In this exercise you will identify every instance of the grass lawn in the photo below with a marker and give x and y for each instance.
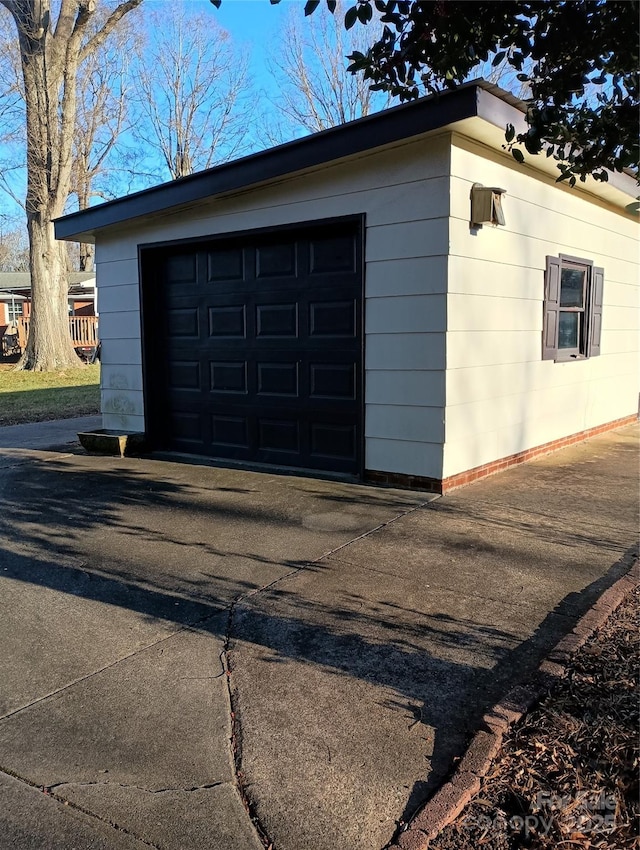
(38, 396)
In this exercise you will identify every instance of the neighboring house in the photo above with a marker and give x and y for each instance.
(15, 304)
(328, 304)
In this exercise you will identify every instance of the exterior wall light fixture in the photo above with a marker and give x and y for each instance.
(486, 205)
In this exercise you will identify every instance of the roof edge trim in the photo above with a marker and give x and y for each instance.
(374, 131)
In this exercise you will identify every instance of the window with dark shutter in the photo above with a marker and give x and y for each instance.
(595, 318)
(551, 308)
(572, 318)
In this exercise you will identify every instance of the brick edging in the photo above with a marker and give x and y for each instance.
(460, 479)
(451, 798)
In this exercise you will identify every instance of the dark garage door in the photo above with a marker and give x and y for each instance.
(254, 347)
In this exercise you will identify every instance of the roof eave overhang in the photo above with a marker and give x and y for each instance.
(619, 190)
(476, 100)
(355, 137)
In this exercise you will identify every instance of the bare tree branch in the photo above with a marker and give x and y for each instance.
(309, 63)
(118, 13)
(191, 82)
(102, 113)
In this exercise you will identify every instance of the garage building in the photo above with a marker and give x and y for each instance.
(394, 299)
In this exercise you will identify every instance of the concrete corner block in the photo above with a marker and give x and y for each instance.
(567, 647)
(559, 655)
(467, 785)
(106, 441)
(516, 703)
(495, 721)
(445, 806)
(550, 672)
(412, 839)
(591, 622)
(482, 750)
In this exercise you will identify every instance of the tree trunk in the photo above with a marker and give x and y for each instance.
(50, 55)
(49, 346)
(50, 114)
(86, 257)
(86, 248)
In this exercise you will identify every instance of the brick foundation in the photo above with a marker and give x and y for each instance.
(445, 485)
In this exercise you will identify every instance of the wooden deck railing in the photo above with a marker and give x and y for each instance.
(83, 331)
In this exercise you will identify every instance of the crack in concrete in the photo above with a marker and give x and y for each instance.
(236, 734)
(51, 789)
(93, 673)
(49, 793)
(225, 661)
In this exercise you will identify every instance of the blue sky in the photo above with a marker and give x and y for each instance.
(251, 23)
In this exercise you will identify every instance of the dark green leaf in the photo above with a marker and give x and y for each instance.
(365, 13)
(517, 155)
(350, 17)
(216, 3)
(310, 6)
(511, 132)
(331, 5)
(426, 47)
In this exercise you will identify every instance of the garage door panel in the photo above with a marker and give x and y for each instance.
(332, 318)
(276, 260)
(186, 427)
(280, 435)
(181, 268)
(279, 379)
(183, 322)
(227, 430)
(226, 265)
(279, 320)
(332, 254)
(228, 376)
(329, 440)
(184, 375)
(261, 349)
(332, 381)
(228, 321)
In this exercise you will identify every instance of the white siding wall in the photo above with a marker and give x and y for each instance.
(501, 397)
(405, 197)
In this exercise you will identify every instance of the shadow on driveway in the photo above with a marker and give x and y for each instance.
(182, 545)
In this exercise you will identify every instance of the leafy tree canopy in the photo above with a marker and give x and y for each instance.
(577, 62)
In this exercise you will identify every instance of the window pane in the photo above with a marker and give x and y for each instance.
(568, 330)
(572, 288)
(14, 311)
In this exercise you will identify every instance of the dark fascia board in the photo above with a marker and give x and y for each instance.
(477, 98)
(374, 131)
(501, 108)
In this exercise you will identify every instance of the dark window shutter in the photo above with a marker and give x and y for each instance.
(595, 313)
(551, 309)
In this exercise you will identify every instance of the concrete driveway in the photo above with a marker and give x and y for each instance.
(208, 658)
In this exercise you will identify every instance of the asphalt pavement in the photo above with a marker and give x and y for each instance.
(197, 657)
